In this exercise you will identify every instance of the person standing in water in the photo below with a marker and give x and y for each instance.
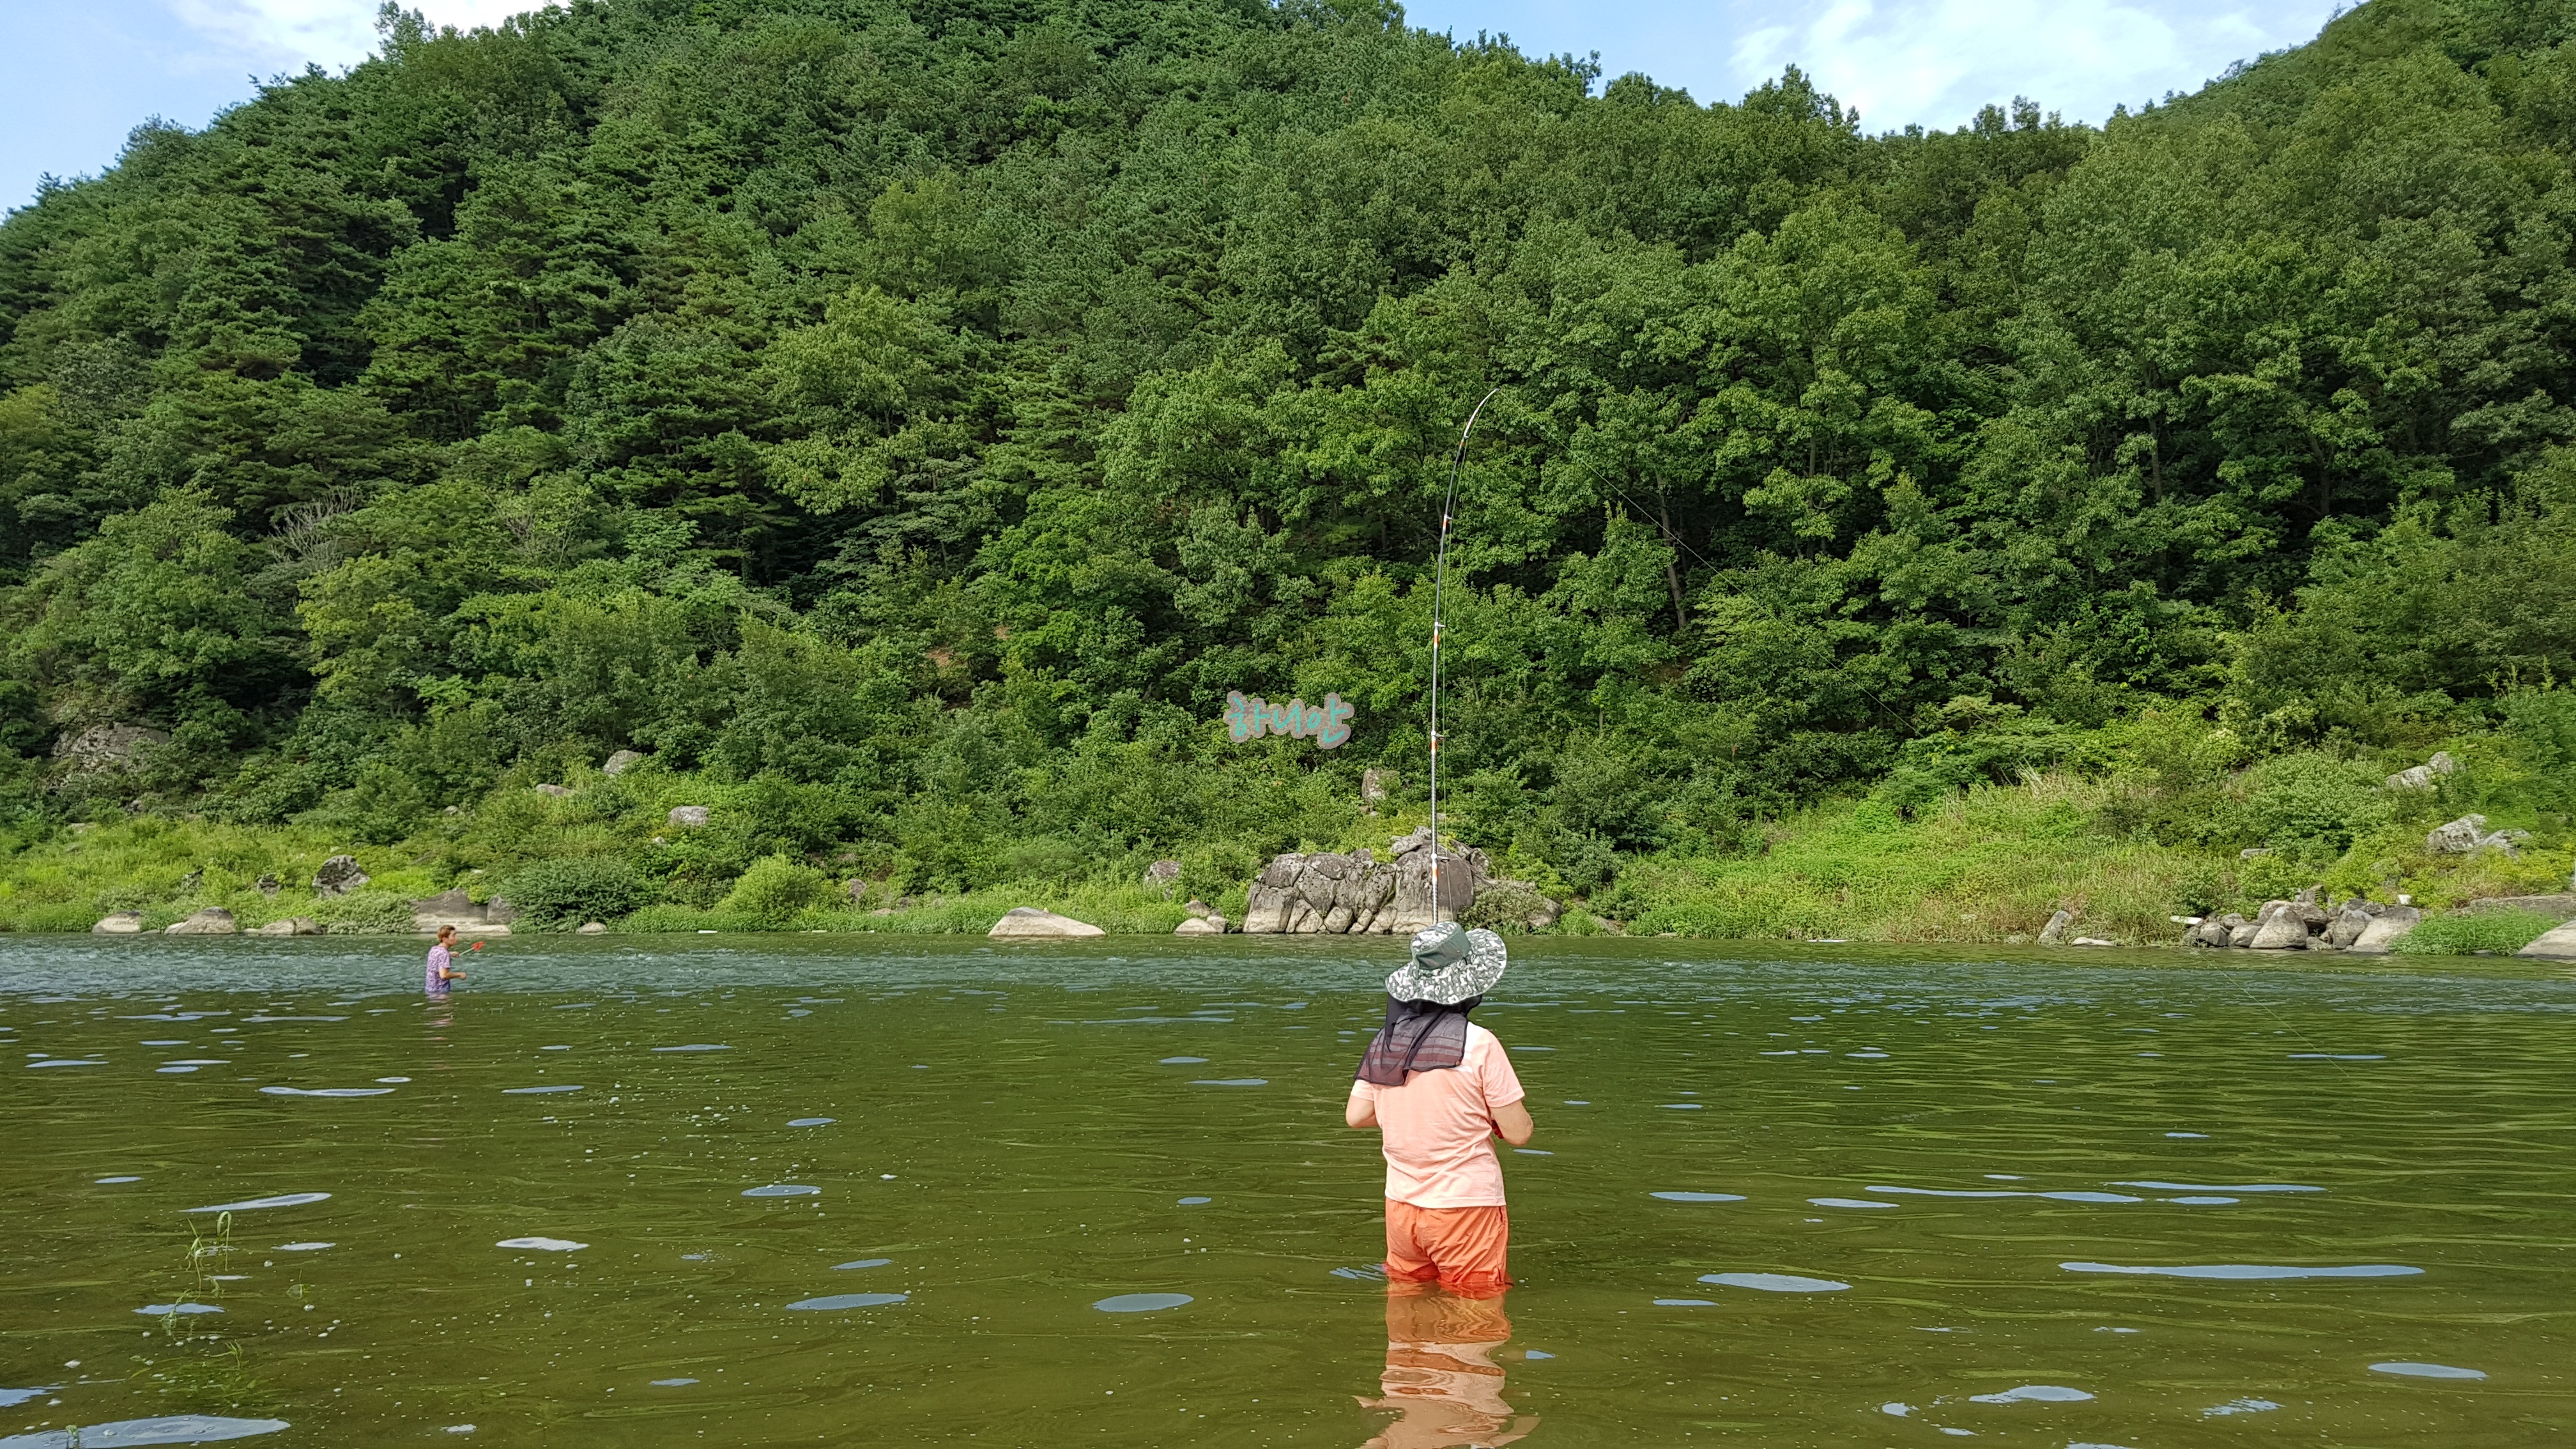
(1439, 1089)
(440, 970)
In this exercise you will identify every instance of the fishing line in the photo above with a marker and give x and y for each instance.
(1439, 582)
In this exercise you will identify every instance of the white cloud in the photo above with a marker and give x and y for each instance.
(287, 34)
(1937, 61)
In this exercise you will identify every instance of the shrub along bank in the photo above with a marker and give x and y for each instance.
(1985, 830)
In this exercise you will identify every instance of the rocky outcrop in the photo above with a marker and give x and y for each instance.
(619, 763)
(339, 875)
(1162, 875)
(1030, 921)
(2424, 776)
(2469, 833)
(107, 746)
(2055, 930)
(119, 923)
(688, 817)
(290, 926)
(1353, 894)
(212, 921)
(1512, 905)
(2562, 906)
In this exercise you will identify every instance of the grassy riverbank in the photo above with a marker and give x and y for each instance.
(2148, 820)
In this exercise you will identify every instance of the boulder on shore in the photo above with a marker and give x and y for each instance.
(119, 923)
(1201, 926)
(592, 928)
(2384, 929)
(454, 908)
(212, 921)
(2281, 928)
(1030, 921)
(288, 926)
(2555, 944)
(2055, 930)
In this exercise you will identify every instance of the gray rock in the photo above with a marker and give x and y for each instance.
(119, 923)
(288, 926)
(1163, 875)
(1199, 908)
(2562, 906)
(592, 928)
(212, 921)
(2424, 776)
(2254, 852)
(1377, 787)
(557, 792)
(688, 817)
(499, 911)
(2556, 944)
(2280, 929)
(448, 908)
(2213, 934)
(617, 764)
(1030, 921)
(2384, 929)
(2457, 838)
(2348, 926)
(269, 886)
(107, 746)
(2091, 941)
(1355, 894)
(2055, 930)
(339, 875)
(1198, 926)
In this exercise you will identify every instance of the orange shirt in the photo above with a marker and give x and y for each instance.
(1438, 1128)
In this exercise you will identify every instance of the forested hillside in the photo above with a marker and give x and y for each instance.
(905, 423)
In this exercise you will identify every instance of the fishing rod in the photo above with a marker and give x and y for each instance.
(1439, 582)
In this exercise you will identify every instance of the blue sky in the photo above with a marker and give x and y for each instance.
(82, 75)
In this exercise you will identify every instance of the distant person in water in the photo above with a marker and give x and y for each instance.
(1439, 1089)
(441, 971)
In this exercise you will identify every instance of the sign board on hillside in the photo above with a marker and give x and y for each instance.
(1327, 724)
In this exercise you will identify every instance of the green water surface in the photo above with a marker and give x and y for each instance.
(997, 1139)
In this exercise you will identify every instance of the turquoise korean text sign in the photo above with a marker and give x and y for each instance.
(1327, 724)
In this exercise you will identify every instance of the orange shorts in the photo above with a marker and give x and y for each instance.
(1461, 1248)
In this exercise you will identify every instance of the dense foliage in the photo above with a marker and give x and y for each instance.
(911, 419)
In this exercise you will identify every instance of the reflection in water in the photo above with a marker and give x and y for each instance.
(1441, 1379)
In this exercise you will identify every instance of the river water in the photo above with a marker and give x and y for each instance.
(791, 1190)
